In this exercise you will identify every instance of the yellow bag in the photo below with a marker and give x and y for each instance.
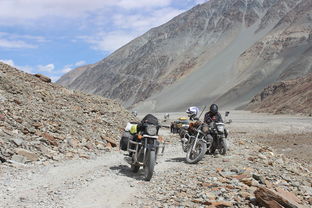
(134, 129)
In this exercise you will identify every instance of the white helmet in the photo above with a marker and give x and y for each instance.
(192, 111)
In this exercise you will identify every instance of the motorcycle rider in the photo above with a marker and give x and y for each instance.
(192, 113)
(213, 115)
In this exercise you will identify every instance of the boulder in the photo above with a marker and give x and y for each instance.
(43, 78)
(18, 141)
(111, 141)
(277, 199)
(27, 154)
(19, 158)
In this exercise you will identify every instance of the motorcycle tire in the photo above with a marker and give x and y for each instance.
(184, 147)
(212, 149)
(223, 148)
(149, 165)
(135, 168)
(202, 150)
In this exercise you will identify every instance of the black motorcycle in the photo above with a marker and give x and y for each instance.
(218, 132)
(196, 142)
(144, 146)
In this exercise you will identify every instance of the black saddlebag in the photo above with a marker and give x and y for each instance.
(124, 140)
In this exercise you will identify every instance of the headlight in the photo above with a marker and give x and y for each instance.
(220, 128)
(151, 130)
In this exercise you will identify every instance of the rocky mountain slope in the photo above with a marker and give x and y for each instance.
(72, 75)
(220, 51)
(41, 121)
(293, 96)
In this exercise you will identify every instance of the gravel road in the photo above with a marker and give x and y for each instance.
(108, 182)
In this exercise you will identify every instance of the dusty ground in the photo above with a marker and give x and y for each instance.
(108, 182)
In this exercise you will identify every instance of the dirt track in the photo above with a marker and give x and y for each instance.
(108, 182)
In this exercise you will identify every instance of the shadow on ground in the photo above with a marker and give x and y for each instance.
(126, 171)
(176, 159)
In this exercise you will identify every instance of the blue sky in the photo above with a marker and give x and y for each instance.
(54, 36)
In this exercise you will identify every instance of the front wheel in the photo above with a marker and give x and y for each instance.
(194, 156)
(223, 147)
(149, 165)
(135, 168)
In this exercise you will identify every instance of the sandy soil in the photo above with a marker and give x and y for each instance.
(108, 182)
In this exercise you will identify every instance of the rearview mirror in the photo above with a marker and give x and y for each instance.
(227, 113)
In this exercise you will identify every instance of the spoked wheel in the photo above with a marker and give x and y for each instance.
(194, 156)
(184, 146)
(149, 165)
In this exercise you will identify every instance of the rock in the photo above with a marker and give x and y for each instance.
(2, 159)
(307, 190)
(18, 141)
(111, 141)
(27, 154)
(280, 198)
(43, 78)
(261, 179)
(2, 99)
(37, 125)
(240, 177)
(44, 115)
(19, 158)
(73, 142)
(51, 139)
(245, 195)
(218, 204)
(108, 145)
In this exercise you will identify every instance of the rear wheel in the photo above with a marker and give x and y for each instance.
(194, 156)
(149, 165)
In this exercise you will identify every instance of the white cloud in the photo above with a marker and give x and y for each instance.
(46, 68)
(21, 11)
(67, 68)
(143, 22)
(109, 41)
(200, 1)
(80, 63)
(133, 4)
(11, 40)
(55, 78)
(134, 26)
(15, 44)
(10, 62)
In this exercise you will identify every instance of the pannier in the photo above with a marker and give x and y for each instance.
(124, 140)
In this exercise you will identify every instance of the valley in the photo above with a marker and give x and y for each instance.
(254, 161)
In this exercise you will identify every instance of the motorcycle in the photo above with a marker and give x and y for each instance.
(219, 134)
(196, 142)
(202, 138)
(143, 148)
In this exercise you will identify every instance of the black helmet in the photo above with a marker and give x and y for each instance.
(214, 108)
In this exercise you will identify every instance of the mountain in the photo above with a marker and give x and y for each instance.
(42, 121)
(223, 51)
(291, 96)
(72, 75)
